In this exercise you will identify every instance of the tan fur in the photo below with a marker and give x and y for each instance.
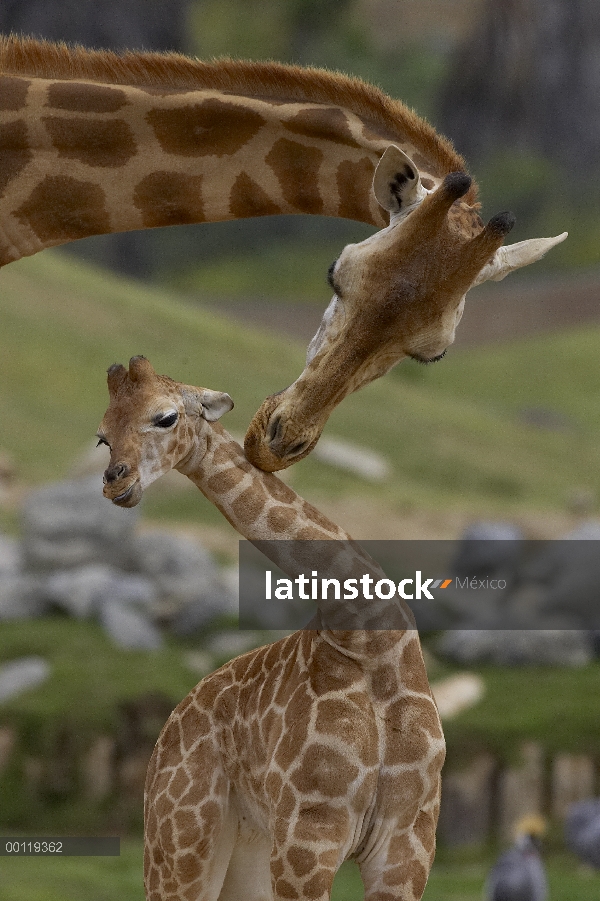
(290, 759)
(399, 294)
(40, 59)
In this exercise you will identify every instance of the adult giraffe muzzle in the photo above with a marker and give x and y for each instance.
(399, 293)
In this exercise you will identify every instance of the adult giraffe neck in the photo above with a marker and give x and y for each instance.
(92, 143)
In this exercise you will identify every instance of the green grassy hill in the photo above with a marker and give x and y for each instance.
(451, 431)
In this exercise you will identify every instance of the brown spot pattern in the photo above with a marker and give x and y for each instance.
(354, 181)
(384, 683)
(178, 784)
(319, 885)
(424, 829)
(287, 750)
(321, 822)
(296, 167)
(107, 144)
(188, 868)
(85, 98)
(328, 124)
(273, 785)
(193, 725)
(279, 491)
(250, 503)
(277, 868)
(14, 152)
(333, 673)
(248, 200)
(279, 518)
(285, 889)
(13, 93)
(302, 860)
(315, 516)
(375, 132)
(402, 793)
(187, 827)
(212, 128)
(414, 675)
(324, 770)
(224, 481)
(408, 740)
(169, 198)
(62, 209)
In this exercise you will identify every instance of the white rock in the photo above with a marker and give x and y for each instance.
(71, 524)
(457, 693)
(82, 592)
(129, 629)
(22, 675)
(362, 461)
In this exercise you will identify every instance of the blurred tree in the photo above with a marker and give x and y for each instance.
(528, 79)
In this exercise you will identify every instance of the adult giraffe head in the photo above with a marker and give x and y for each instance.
(399, 293)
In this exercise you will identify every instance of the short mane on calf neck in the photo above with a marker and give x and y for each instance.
(290, 759)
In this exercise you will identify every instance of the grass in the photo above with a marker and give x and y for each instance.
(451, 432)
(104, 879)
(556, 707)
(89, 678)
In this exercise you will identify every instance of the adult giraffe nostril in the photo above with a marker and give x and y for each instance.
(274, 429)
(297, 448)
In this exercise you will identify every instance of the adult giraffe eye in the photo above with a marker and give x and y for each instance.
(165, 422)
(102, 440)
(331, 279)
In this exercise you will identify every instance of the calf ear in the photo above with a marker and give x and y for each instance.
(214, 404)
(211, 405)
(397, 183)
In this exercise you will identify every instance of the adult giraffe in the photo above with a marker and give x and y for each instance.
(92, 142)
(321, 747)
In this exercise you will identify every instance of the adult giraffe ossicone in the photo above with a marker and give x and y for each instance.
(296, 756)
(92, 142)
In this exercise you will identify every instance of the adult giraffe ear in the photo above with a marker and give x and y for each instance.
(211, 405)
(397, 183)
(514, 256)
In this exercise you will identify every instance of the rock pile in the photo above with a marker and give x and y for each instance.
(85, 557)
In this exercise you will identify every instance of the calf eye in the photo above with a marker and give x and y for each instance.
(164, 422)
(102, 440)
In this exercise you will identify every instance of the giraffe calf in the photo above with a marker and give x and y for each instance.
(290, 759)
